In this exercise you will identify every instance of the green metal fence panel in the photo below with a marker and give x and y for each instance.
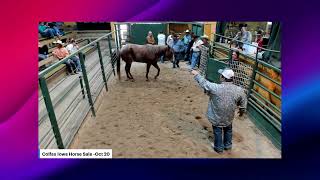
(265, 126)
(51, 113)
(139, 32)
(212, 69)
(197, 29)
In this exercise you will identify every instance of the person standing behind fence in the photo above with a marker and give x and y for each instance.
(195, 52)
(150, 38)
(223, 101)
(60, 53)
(161, 41)
(259, 40)
(73, 47)
(246, 39)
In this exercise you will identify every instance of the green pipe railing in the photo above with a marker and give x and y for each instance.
(84, 82)
(261, 106)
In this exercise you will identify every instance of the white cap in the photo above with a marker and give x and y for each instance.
(187, 30)
(227, 73)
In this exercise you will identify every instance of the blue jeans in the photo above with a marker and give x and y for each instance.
(42, 57)
(161, 58)
(48, 33)
(76, 61)
(222, 138)
(194, 59)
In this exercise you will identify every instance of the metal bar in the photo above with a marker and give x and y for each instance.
(275, 51)
(267, 77)
(44, 72)
(255, 67)
(86, 83)
(269, 66)
(110, 50)
(267, 101)
(119, 34)
(102, 66)
(264, 105)
(82, 89)
(260, 85)
(116, 36)
(274, 122)
(51, 113)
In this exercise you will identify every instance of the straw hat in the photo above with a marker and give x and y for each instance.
(205, 37)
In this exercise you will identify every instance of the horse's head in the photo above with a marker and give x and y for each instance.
(168, 55)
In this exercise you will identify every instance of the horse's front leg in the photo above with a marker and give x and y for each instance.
(148, 68)
(157, 67)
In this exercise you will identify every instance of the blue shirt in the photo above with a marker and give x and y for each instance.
(178, 46)
(187, 39)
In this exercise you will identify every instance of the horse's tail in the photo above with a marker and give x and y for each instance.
(118, 65)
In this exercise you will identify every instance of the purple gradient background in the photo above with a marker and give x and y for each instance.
(18, 99)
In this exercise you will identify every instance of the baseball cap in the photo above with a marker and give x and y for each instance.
(227, 73)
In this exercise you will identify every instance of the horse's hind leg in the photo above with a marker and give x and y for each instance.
(148, 67)
(156, 66)
(127, 70)
(131, 77)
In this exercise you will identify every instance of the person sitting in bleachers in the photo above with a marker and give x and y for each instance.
(73, 47)
(45, 30)
(57, 28)
(42, 52)
(60, 53)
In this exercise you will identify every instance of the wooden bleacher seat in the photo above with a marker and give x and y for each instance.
(49, 41)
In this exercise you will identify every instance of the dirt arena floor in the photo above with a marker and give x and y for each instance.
(163, 118)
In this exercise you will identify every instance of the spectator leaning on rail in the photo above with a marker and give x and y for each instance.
(178, 49)
(150, 38)
(73, 47)
(60, 53)
(195, 52)
(259, 39)
(161, 41)
(223, 101)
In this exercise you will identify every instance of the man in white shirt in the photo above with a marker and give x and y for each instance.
(170, 39)
(73, 47)
(195, 52)
(161, 41)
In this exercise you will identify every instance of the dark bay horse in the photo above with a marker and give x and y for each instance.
(145, 54)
